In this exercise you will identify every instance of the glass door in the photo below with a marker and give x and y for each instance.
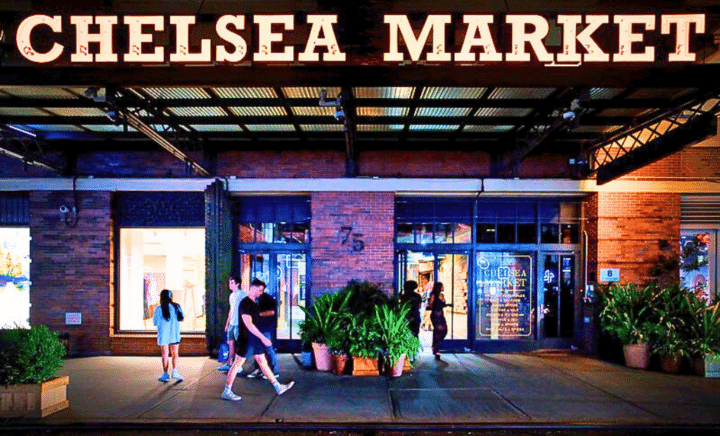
(451, 269)
(557, 301)
(286, 277)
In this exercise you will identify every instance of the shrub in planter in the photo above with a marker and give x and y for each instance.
(705, 340)
(364, 344)
(29, 355)
(327, 314)
(29, 359)
(627, 313)
(397, 341)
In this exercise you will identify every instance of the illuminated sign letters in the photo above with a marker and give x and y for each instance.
(39, 37)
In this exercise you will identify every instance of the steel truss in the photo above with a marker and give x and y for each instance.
(654, 139)
(130, 107)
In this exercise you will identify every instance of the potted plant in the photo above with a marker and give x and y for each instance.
(705, 343)
(337, 346)
(29, 359)
(627, 313)
(674, 309)
(364, 345)
(327, 313)
(397, 341)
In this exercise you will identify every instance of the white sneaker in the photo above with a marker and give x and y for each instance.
(229, 395)
(255, 374)
(276, 376)
(176, 375)
(164, 377)
(286, 387)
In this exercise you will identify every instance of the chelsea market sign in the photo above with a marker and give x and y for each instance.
(40, 39)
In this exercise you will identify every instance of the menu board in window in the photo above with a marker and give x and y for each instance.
(504, 287)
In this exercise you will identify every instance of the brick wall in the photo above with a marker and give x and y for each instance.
(71, 268)
(146, 345)
(274, 164)
(625, 231)
(334, 264)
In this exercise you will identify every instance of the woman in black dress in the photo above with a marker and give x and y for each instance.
(437, 317)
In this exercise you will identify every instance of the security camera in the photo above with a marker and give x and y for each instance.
(64, 209)
(340, 115)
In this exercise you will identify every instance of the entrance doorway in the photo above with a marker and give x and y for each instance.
(451, 269)
(557, 300)
(285, 274)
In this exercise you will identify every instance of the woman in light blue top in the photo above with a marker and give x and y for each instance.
(167, 317)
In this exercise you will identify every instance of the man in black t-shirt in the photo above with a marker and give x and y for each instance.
(267, 324)
(256, 344)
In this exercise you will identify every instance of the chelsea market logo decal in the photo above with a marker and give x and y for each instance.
(232, 39)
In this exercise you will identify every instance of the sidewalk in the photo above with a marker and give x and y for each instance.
(460, 390)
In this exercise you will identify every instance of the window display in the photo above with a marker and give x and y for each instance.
(161, 258)
(14, 277)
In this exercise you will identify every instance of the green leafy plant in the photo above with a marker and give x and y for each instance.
(705, 331)
(364, 337)
(673, 312)
(327, 315)
(29, 355)
(396, 337)
(364, 297)
(627, 312)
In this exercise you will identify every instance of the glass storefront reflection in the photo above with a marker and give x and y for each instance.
(504, 283)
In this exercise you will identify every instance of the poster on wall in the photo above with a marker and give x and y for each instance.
(14, 277)
(504, 285)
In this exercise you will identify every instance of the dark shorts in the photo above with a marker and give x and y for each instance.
(254, 346)
(241, 346)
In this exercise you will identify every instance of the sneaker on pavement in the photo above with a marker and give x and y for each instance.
(229, 395)
(276, 376)
(286, 387)
(164, 377)
(224, 367)
(255, 374)
(176, 375)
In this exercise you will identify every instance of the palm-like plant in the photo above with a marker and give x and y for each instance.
(396, 337)
(326, 315)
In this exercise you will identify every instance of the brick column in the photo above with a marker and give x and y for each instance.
(626, 228)
(369, 214)
(71, 267)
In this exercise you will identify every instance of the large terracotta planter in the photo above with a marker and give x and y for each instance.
(365, 366)
(637, 356)
(671, 363)
(34, 400)
(397, 370)
(338, 363)
(707, 366)
(322, 356)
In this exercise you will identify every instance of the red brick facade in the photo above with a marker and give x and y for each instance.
(71, 267)
(371, 215)
(624, 230)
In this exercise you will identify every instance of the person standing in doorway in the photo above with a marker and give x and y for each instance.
(437, 317)
(167, 317)
(267, 324)
(256, 345)
(414, 301)
(232, 325)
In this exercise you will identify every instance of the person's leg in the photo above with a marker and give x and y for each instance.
(228, 394)
(175, 352)
(265, 368)
(271, 356)
(164, 350)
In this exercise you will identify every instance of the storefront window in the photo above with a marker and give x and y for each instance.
(404, 233)
(527, 233)
(153, 259)
(697, 247)
(14, 277)
(504, 283)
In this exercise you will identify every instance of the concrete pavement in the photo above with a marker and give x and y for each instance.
(529, 389)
